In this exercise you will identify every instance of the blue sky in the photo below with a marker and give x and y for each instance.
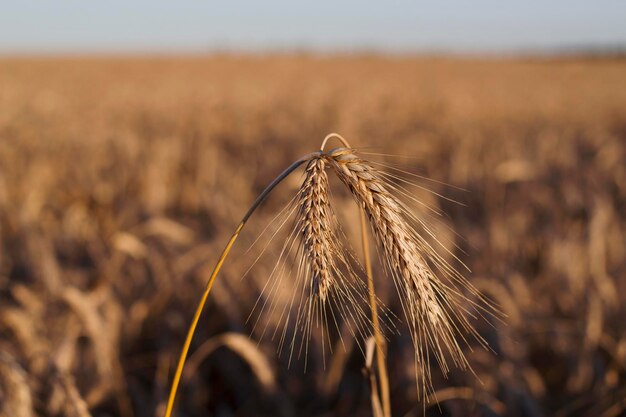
(197, 26)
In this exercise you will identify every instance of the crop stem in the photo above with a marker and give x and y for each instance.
(380, 347)
(194, 322)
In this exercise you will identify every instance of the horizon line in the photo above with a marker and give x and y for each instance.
(590, 49)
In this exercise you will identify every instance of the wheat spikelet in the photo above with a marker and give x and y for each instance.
(314, 223)
(331, 287)
(431, 306)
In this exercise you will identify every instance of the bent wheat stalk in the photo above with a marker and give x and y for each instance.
(432, 306)
(216, 270)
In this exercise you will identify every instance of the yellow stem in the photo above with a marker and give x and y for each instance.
(380, 348)
(194, 323)
(196, 317)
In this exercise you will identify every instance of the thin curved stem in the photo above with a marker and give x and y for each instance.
(378, 338)
(194, 322)
(334, 135)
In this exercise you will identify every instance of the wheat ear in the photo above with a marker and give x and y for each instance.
(314, 223)
(384, 400)
(330, 284)
(430, 305)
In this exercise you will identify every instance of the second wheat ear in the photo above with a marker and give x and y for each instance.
(432, 305)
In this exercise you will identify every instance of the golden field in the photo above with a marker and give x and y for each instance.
(121, 179)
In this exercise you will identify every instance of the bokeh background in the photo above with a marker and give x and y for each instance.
(134, 136)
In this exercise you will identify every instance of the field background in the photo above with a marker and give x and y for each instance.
(121, 179)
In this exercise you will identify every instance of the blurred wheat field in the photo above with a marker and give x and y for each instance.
(121, 178)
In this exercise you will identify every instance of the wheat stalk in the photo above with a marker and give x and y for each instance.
(207, 290)
(432, 306)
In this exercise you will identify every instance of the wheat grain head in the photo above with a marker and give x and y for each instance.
(433, 306)
(327, 270)
(315, 219)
